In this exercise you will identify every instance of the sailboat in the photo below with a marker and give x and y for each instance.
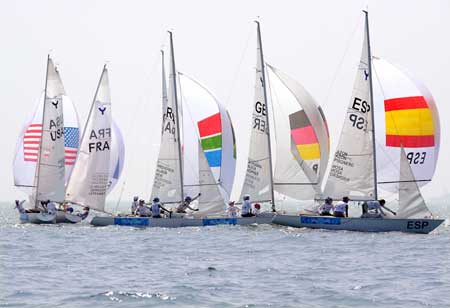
(47, 149)
(101, 155)
(288, 157)
(411, 136)
(197, 156)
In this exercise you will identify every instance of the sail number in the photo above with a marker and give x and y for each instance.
(260, 123)
(56, 128)
(416, 158)
(361, 106)
(170, 125)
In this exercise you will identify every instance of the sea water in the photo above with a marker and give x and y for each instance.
(219, 266)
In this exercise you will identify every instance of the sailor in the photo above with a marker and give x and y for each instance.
(19, 206)
(85, 213)
(51, 207)
(67, 207)
(256, 209)
(186, 204)
(157, 207)
(341, 208)
(375, 209)
(134, 205)
(246, 210)
(142, 210)
(325, 209)
(232, 210)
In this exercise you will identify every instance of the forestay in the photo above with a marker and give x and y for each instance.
(352, 169)
(405, 114)
(90, 179)
(411, 202)
(50, 171)
(301, 138)
(206, 123)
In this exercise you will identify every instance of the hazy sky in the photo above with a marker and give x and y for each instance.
(316, 42)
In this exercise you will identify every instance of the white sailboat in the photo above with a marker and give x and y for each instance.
(289, 155)
(90, 180)
(44, 152)
(355, 172)
(197, 155)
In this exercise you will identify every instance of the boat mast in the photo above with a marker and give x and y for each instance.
(177, 126)
(263, 68)
(36, 201)
(372, 113)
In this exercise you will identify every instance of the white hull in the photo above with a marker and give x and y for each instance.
(359, 224)
(37, 218)
(63, 217)
(179, 222)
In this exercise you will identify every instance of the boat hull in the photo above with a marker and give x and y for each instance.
(37, 218)
(359, 224)
(178, 222)
(63, 217)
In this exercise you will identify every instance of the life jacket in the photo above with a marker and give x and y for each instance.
(340, 207)
(246, 207)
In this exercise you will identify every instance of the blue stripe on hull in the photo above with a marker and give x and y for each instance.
(320, 220)
(132, 221)
(219, 221)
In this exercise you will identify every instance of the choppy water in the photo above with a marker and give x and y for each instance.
(223, 266)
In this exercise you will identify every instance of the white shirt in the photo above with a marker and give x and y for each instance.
(326, 208)
(256, 211)
(156, 209)
(374, 206)
(134, 207)
(142, 210)
(246, 207)
(232, 211)
(340, 207)
(51, 208)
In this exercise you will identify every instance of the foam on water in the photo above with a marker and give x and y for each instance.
(220, 266)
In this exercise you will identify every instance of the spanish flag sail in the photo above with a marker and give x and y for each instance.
(406, 116)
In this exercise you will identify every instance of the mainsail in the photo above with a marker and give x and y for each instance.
(258, 182)
(167, 184)
(27, 149)
(90, 179)
(352, 171)
(50, 172)
(411, 202)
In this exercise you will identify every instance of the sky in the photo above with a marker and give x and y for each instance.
(318, 43)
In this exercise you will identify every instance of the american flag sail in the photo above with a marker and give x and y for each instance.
(32, 137)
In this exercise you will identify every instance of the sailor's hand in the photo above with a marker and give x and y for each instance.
(394, 213)
(196, 210)
(199, 194)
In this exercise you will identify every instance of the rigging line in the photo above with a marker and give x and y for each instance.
(341, 62)
(138, 111)
(238, 70)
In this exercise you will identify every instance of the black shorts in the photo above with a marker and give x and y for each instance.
(247, 215)
(338, 214)
(157, 216)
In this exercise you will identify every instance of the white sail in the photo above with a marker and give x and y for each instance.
(257, 182)
(89, 182)
(117, 159)
(205, 122)
(50, 172)
(301, 137)
(210, 201)
(27, 148)
(411, 202)
(167, 181)
(406, 115)
(352, 169)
